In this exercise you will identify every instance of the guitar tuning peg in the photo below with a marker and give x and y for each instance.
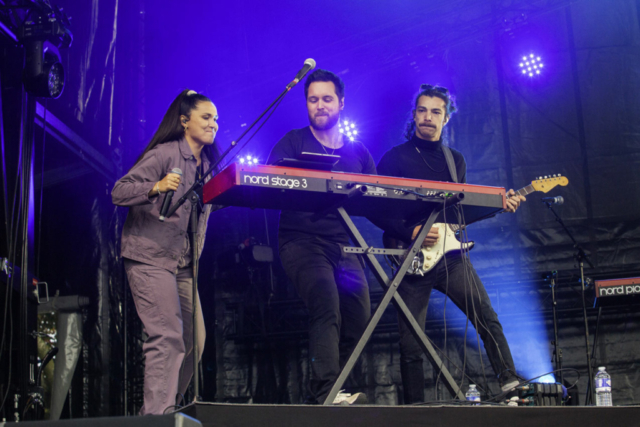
(554, 175)
(545, 177)
(559, 175)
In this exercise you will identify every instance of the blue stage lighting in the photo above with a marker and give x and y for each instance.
(348, 128)
(547, 379)
(531, 65)
(248, 160)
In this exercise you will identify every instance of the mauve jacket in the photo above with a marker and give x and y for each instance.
(144, 237)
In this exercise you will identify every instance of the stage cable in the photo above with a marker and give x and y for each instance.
(11, 257)
(5, 190)
(266, 230)
(39, 239)
(465, 282)
(484, 325)
(470, 284)
(480, 322)
(452, 363)
(446, 289)
(530, 380)
(465, 259)
(8, 311)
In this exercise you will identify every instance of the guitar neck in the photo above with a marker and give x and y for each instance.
(540, 184)
(525, 191)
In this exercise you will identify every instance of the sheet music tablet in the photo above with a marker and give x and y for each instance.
(308, 160)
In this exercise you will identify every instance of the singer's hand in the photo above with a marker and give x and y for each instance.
(432, 237)
(169, 182)
(513, 201)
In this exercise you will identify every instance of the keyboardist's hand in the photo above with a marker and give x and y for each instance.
(432, 237)
(513, 201)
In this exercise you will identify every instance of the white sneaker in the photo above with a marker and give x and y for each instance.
(510, 386)
(350, 399)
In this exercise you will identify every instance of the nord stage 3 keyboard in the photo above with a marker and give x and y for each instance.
(286, 188)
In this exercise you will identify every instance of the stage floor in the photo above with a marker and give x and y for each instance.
(243, 415)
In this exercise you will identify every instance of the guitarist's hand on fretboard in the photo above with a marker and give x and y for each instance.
(442, 238)
(513, 201)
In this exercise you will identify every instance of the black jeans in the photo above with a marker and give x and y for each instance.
(467, 292)
(333, 286)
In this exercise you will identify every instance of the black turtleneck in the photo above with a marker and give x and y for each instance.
(425, 162)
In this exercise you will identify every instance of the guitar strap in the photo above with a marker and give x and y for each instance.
(450, 163)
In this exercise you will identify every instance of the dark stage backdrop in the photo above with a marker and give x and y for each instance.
(579, 118)
(76, 227)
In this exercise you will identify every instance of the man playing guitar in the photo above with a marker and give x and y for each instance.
(423, 156)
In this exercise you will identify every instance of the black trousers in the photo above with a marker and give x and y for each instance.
(466, 291)
(333, 286)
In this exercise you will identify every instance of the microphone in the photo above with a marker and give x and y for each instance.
(309, 64)
(558, 200)
(166, 204)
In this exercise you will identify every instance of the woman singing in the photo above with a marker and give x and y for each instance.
(157, 255)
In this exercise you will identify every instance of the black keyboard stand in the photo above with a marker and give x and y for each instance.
(391, 295)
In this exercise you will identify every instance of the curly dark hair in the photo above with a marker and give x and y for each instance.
(321, 75)
(431, 91)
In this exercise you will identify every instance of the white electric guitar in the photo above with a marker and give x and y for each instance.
(449, 240)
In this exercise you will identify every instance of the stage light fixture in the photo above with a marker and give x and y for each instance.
(248, 160)
(44, 30)
(531, 65)
(348, 128)
(43, 75)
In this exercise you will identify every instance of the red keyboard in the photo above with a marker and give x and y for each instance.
(285, 188)
(624, 288)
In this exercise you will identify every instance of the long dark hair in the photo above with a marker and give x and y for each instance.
(170, 128)
(431, 91)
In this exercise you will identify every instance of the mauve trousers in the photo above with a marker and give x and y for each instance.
(163, 301)
(334, 288)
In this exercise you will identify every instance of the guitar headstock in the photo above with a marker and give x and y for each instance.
(547, 183)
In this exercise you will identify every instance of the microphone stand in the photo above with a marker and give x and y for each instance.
(557, 351)
(186, 195)
(193, 197)
(581, 257)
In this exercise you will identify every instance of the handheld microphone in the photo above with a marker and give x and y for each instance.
(167, 198)
(309, 65)
(558, 200)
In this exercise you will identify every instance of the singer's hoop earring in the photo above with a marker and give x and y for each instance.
(185, 128)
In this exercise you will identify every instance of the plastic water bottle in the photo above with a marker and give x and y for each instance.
(603, 388)
(473, 395)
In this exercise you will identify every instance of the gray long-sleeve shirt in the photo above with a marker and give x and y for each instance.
(144, 238)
